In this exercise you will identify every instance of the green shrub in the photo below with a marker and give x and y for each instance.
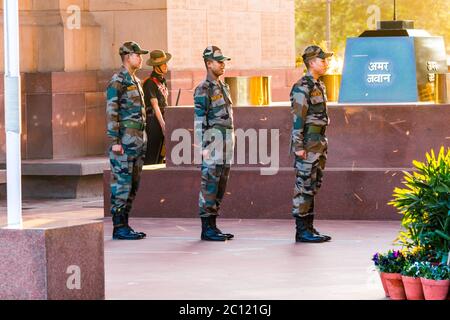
(425, 206)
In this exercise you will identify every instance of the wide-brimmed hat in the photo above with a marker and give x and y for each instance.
(158, 57)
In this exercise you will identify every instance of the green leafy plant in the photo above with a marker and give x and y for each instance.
(425, 206)
(390, 262)
(434, 272)
(411, 269)
(415, 254)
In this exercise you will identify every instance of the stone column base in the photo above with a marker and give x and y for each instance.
(52, 262)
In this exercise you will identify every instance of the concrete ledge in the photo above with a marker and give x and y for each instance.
(45, 262)
(62, 187)
(61, 179)
(347, 194)
(69, 167)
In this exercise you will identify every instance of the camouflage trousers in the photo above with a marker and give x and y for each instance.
(125, 177)
(213, 186)
(309, 176)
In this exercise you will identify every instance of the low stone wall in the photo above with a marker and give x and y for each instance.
(369, 148)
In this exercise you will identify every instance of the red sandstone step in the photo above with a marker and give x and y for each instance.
(346, 194)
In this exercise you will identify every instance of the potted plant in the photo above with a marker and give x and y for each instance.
(411, 280)
(424, 204)
(435, 280)
(379, 261)
(390, 266)
(425, 207)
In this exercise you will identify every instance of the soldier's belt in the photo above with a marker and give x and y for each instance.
(221, 129)
(132, 125)
(316, 129)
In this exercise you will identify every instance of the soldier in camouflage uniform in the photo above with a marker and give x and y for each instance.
(309, 143)
(126, 131)
(213, 118)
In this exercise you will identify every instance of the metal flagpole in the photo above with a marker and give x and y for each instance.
(395, 10)
(328, 35)
(12, 113)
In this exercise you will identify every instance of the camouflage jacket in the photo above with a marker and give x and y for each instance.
(310, 113)
(125, 101)
(213, 107)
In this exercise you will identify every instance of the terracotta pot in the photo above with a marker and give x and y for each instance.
(394, 285)
(383, 282)
(435, 289)
(413, 288)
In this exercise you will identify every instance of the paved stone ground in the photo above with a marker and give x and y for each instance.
(263, 262)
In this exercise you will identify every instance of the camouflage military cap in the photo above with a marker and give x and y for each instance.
(131, 47)
(214, 53)
(315, 52)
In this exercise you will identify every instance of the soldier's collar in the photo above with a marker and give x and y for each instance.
(213, 81)
(309, 75)
(125, 71)
(158, 76)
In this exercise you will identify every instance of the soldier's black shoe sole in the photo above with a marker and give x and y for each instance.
(326, 238)
(229, 236)
(210, 233)
(142, 234)
(128, 238)
(310, 241)
(217, 239)
(317, 233)
(303, 240)
(127, 234)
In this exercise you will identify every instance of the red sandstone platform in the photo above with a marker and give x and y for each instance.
(369, 147)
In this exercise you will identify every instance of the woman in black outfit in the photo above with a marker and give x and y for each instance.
(155, 95)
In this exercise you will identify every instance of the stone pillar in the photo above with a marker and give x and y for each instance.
(52, 262)
(57, 35)
(60, 56)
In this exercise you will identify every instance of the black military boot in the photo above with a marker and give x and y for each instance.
(210, 234)
(212, 223)
(303, 234)
(142, 234)
(121, 230)
(310, 221)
